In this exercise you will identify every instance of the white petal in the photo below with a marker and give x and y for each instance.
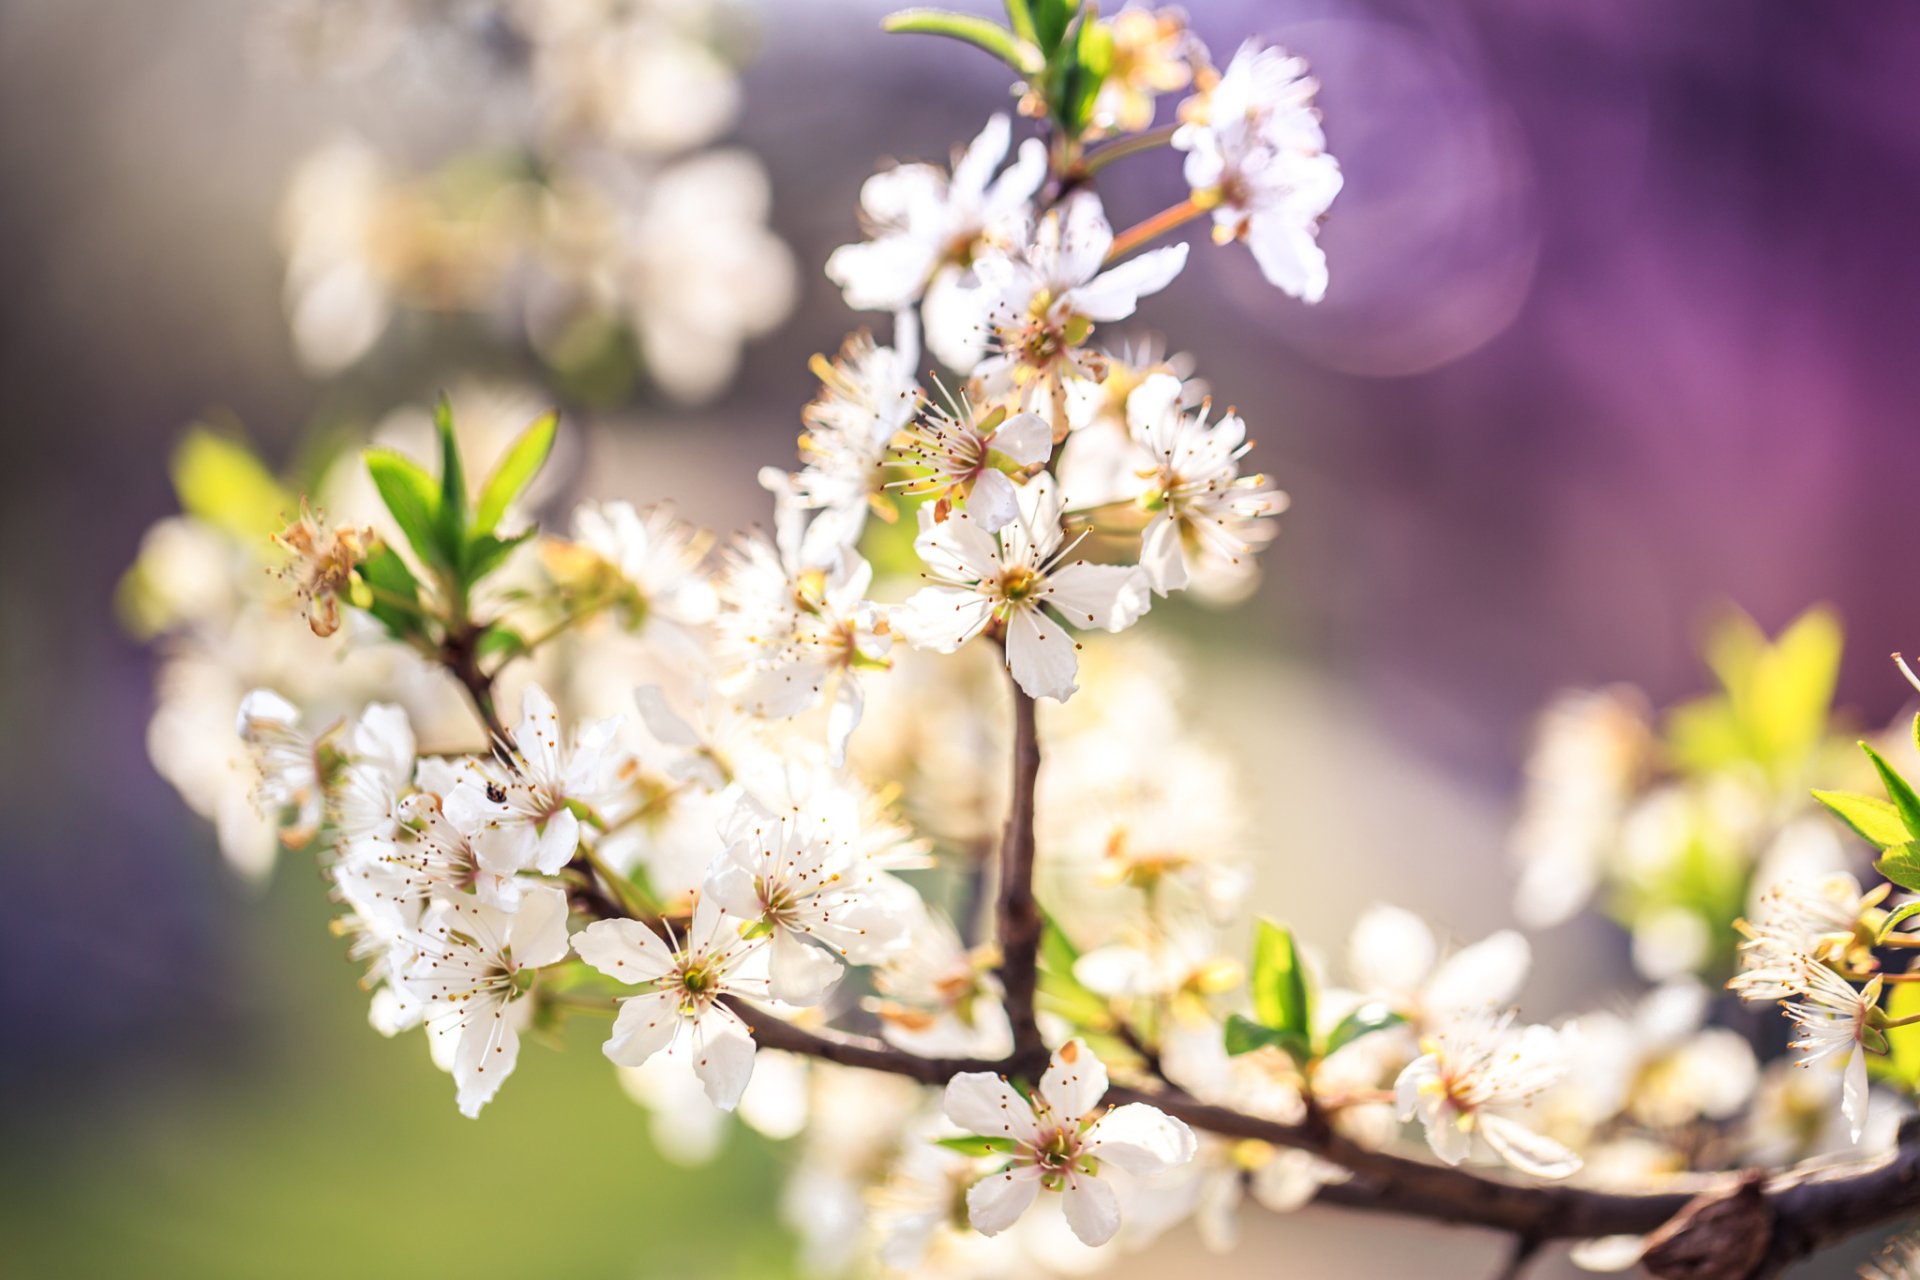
(941, 618)
(666, 726)
(1074, 1082)
(956, 548)
(623, 949)
(1026, 438)
(843, 717)
(1525, 1150)
(1109, 596)
(996, 1202)
(1141, 1139)
(799, 972)
(983, 1103)
(1115, 294)
(1162, 558)
(1390, 951)
(729, 883)
(644, 1027)
(992, 503)
(974, 170)
(1853, 1093)
(489, 1047)
(539, 734)
(1092, 1210)
(723, 1057)
(1040, 655)
(537, 931)
(1488, 972)
(558, 842)
(1153, 400)
(1085, 237)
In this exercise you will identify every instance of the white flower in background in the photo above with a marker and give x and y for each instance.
(921, 1203)
(1207, 519)
(1017, 580)
(867, 394)
(290, 773)
(1899, 1260)
(1040, 304)
(1591, 749)
(1657, 1064)
(522, 818)
(1257, 156)
(1061, 1139)
(1798, 923)
(960, 457)
(1393, 956)
(656, 562)
(1153, 54)
(924, 228)
(938, 999)
(805, 892)
(1833, 1018)
(469, 970)
(1474, 1071)
(684, 982)
(365, 798)
(792, 629)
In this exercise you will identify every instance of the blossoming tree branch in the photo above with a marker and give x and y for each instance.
(902, 851)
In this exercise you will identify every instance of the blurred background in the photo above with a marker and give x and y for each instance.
(1620, 330)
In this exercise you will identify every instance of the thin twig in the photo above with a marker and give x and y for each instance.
(1016, 914)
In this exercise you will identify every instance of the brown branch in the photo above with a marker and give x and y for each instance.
(1016, 914)
(458, 653)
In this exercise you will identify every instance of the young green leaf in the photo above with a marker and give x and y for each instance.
(1897, 917)
(1873, 819)
(1051, 18)
(413, 500)
(514, 472)
(972, 1145)
(1364, 1021)
(453, 480)
(220, 481)
(1244, 1035)
(1902, 866)
(1904, 800)
(499, 640)
(1903, 1043)
(487, 552)
(395, 596)
(965, 27)
(1281, 997)
(1080, 86)
(1020, 18)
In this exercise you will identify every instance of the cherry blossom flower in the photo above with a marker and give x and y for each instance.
(1018, 581)
(470, 971)
(1476, 1069)
(867, 395)
(1256, 154)
(364, 800)
(804, 891)
(1834, 1018)
(938, 998)
(647, 565)
(684, 982)
(1061, 1139)
(429, 857)
(1041, 303)
(793, 630)
(1798, 923)
(322, 568)
(961, 457)
(292, 765)
(521, 818)
(1393, 956)
(925, 227)
(1152, 55)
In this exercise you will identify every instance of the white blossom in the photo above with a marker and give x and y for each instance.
(657, 564)
(365, 798)
(469, 970)
(684, 981)
(1061, 1140)
(1796, 922)
(289, 770)
(961, 458)
(1834, 1022)
(1257, 155)
(1476, 1070)
(1016, 579)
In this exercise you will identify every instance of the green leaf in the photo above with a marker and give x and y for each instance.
(977, 1146)
(1902, 866)
(499, 640)
(487, 552)
(1364, 1021)
(218, 480)
(413, 500)
(1873, 819)
(1897, 917)
(1281, 998)
(1244, 1035)
(387, 573)
(978, 32)
(1020, 18)
(1051, 18)
(1905, 802)
(1080, 84)
(453, 480)
(1072, 999)
(1903, 1043)
(514, 472)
